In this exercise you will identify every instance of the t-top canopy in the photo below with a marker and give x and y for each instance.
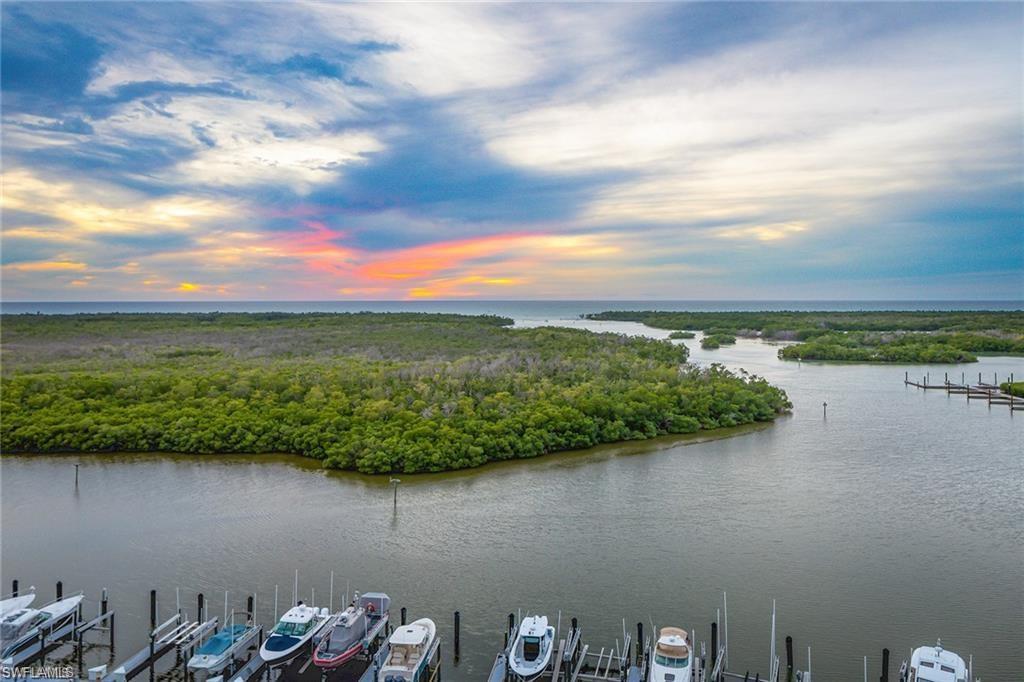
(409, 635)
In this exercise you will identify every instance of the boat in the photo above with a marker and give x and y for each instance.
(934, 664)
(222, 648)
(531, 650)
(352, 629)
(15, 603)
(296, 628)
(411, 648)
(20, 627)
(671, 661)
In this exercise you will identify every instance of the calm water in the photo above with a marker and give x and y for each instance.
(895, 521)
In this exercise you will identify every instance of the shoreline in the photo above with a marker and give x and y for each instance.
(559, 458)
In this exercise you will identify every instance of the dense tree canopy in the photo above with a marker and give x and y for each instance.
(371, 392)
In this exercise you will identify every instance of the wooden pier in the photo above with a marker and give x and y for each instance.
(992, 394)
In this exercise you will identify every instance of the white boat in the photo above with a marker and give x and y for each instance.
(671, 661)
(18, 628)
(934, 664)
(531, 650)
(228, 644)
(296, 629)
(411, 647)
(15, 603)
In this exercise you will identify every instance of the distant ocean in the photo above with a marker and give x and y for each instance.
(518, 310)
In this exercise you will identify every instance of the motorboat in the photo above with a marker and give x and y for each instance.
(531, 650)
(15, 603)
(351, 630)
(411, 648)
(227, 645)
(19, 627)
(671, 661)
(296, 629)
(934, 664)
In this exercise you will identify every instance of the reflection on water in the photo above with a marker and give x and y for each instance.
(895, 521)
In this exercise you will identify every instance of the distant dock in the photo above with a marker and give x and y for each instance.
(990, 393)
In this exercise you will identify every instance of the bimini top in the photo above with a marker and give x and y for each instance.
(672, 642)
(935, 664)
(534, 626)
(415, 634)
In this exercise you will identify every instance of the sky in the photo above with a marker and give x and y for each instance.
(317, 151)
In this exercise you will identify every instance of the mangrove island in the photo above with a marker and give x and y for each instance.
(396, 392)
(857, 336)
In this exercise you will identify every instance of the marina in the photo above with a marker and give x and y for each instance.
(533, 650)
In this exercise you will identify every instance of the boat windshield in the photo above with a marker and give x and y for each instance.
(670, 662)
(531, 648)
(292, 629)
(13, 630)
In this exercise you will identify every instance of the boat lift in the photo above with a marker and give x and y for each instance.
(70, 629)
(572, 660)
(375, 648)
(575, 661)
(177, 634)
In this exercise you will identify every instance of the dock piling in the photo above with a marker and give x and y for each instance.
(714, 644)
(789, 658)
(639, 642)
(76, 475)
(200, 607)
(885, 666)
(60, 590)
(14, 587)
(456, 636)
(152, 609)
(403, 615)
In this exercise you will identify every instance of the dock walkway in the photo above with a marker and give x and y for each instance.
(992, 394)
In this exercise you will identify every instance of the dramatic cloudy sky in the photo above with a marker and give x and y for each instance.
(319, 151)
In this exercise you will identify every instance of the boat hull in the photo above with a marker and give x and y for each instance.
(326, 662)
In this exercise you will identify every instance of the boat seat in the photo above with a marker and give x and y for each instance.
(414, 658)
(397, 657)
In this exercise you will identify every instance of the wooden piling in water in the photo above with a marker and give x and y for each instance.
(714, 644)
(14, 587)
(789, 658)
(456, 643)
(60, 590)
(403, 615)
(885, 666)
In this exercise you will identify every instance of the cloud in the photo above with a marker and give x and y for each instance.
(309, 150)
